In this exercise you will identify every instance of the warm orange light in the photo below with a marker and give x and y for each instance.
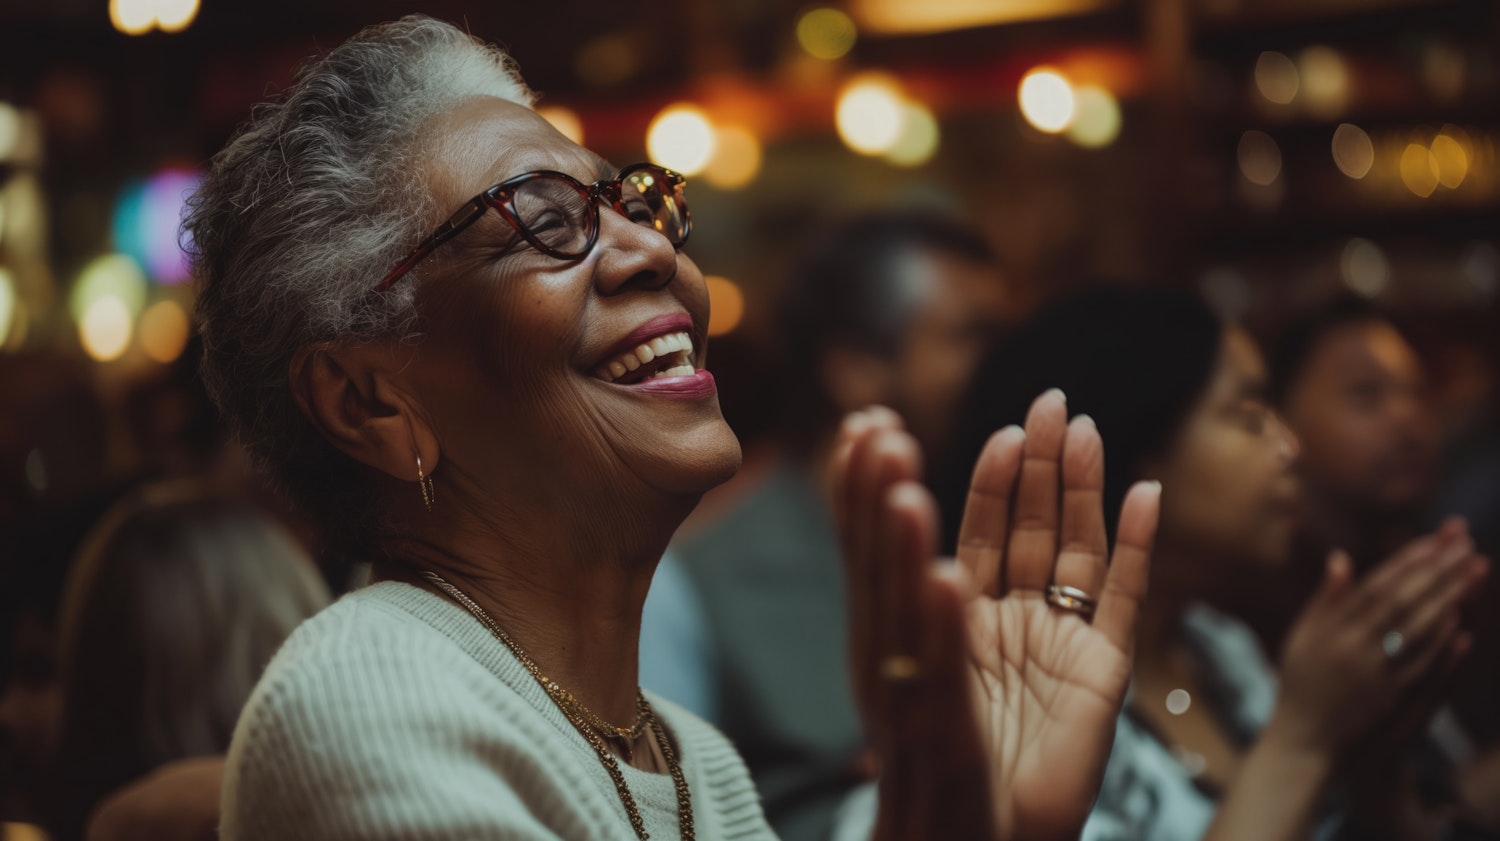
(727, 305)
(565, 120)
(681, 137)
(1353, 152)
(736, 158)
(164, 331)
(1047, 100)
(870, 114)
(907, 17)
(1419, 172)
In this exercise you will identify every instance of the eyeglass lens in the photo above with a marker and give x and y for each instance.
(558, 214)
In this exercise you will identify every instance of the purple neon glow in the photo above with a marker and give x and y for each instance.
(148, 221)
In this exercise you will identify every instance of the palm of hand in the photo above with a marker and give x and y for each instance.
(1047, 687)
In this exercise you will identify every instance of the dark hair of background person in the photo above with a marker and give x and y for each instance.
(1135, 361)
(847, 290)
(1294, 345)
(174, 606)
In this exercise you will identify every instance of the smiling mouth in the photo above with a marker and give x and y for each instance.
(667, 355)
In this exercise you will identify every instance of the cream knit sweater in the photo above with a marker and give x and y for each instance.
(394, 714)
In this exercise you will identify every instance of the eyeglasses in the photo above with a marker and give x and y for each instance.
(559, 215)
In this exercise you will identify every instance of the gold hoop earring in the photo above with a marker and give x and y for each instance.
(424, 481)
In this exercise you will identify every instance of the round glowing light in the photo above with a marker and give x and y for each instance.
(565, 120)
(1451, 160)
(115, 276)
(726, 305)
(681, 138)
(1276, 78)
(826, 33)
(736, 159)
(164, 330)
(919, 137)
(10, 130)
(1260, 158)
(25, 217)
(1325, 80)
(1179, 701)
(175, 15)
(7, 304)
(1047, 100)
(161, 215)
(132, 17)
(105, 328)
(870, 114)
(1419, 172)
(1365, 268)
(1353, 152)
(1097, 123)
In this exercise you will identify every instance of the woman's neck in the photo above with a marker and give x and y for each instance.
(569, 594)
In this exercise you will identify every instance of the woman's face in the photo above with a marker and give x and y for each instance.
(1230, 490)
(513, 368)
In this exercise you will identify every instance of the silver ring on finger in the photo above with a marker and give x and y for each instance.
(1071, 598)
(1392, 643)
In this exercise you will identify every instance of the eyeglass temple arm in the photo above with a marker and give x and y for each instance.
(446, 231)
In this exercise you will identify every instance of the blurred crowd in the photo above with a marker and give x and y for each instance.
(147, 576)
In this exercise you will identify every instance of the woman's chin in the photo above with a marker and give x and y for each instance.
(698, 462)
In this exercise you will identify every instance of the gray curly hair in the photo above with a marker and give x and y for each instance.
(299, 217)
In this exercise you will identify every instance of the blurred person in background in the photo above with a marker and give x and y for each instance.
(890, 308)
(34, 559)
(1215, 742)
(175, 605)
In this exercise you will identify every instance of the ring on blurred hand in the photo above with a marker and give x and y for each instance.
(1392, 643)
(900, 668)
(1071, 598)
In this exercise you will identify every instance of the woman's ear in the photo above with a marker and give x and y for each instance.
(349, 394)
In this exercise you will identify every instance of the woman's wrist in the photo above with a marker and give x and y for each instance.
(1298, 747)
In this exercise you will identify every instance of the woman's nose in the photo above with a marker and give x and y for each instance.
(632, 255)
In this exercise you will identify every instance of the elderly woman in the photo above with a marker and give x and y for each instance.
(473, 352)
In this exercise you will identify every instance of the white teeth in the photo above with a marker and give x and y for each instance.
(648, 352)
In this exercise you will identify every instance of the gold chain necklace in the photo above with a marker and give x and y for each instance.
(593, 728)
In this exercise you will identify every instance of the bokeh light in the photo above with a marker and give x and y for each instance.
(137, 17)
(919, 137)
(132, 17)
(147, 223)
(565, 120)
(1098, 120)
(726, 305)
(1353, 151)
(736, 158)
(870, 114)
(1419, 172)
(1325, 80)
(1450, 158)
(826, 33)
(1259, 158)
(1047, 100)
(681, 137)
(1276, 78)
(114, 276)
(164, 330)
(7, 303)
(1364, 267)
(175, 15)
(104, 329)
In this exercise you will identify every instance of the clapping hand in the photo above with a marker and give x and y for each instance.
(990, 686)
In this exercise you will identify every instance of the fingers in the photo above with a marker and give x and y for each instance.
(1084, 554)
(982, 534)
(874, 456)
(1032, 548)
(1129, 570)
(1416, 579)
(1441, 601)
